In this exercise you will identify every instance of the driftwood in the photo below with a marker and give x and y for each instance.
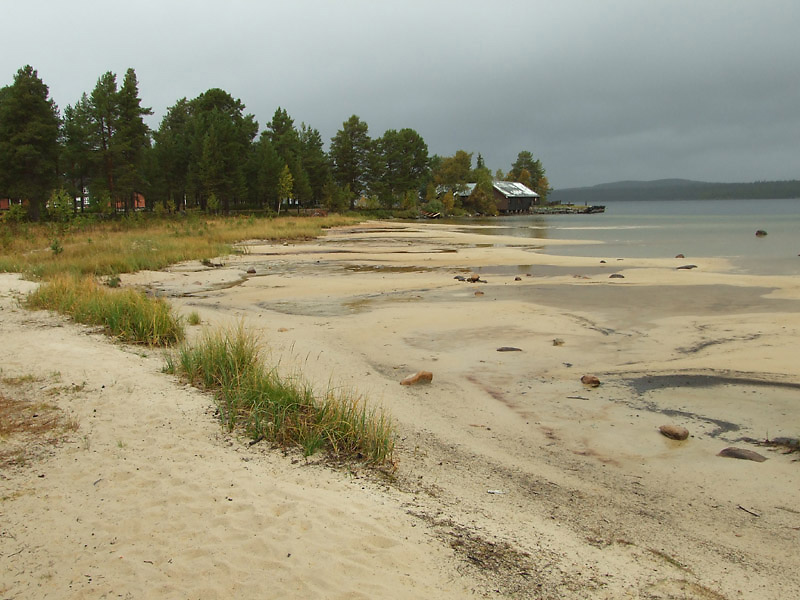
(750, 512)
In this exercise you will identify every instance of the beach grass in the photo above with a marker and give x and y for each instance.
(286, 411)
(127, 314)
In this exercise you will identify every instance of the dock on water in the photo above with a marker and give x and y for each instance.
(567, 209)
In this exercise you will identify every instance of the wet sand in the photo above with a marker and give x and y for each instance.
(511, 475)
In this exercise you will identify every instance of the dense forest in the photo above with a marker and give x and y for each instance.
(210, 154)
(677, 189)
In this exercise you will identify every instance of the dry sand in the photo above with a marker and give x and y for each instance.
(512, 477)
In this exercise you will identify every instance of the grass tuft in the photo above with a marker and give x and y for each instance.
(128, 314)
(284, 410)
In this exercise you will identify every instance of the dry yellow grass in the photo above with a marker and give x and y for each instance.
(138, 242)
(30, 426)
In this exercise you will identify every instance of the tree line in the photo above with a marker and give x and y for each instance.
(209, 153)
(676, 189)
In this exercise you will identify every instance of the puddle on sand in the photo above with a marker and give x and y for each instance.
(734, 386)
(649, 383)
(386, 269)
(363, 304)
(538, 270)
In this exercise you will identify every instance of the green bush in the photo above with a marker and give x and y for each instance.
(60, 206)
(15, 214)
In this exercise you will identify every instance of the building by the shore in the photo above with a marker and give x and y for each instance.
(509, 196)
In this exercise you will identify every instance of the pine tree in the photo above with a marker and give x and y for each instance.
(314, 161)
(401, 165)
(29, 129)
(172, 155)
(76, 151)
(350, 155)
(131, 139)
(104, 110)
(267, 168)
(233, 134)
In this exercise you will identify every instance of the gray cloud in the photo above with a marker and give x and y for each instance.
(600, 91)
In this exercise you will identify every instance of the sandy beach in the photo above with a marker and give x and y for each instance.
(512, 478)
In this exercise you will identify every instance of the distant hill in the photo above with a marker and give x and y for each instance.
(676, 189)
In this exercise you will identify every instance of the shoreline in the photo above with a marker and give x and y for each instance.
(511, 474)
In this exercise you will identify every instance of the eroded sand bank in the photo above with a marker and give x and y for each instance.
(511, 474)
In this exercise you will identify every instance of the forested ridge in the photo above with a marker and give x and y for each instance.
(677, 189)
(208, 153)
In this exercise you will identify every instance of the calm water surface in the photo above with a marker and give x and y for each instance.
(697, 229)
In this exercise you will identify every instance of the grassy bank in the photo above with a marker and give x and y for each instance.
(140, 242)
(285, 411)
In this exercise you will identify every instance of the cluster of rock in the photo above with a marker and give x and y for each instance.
(473, 278)
(676, 432)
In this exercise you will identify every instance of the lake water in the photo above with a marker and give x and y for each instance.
(696, 229)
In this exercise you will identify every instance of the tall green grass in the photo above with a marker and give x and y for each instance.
(286, 411)
(128, 315)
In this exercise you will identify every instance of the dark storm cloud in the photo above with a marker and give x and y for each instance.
(599, 91)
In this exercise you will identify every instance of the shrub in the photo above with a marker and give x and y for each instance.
(15, 214)
(60, 206)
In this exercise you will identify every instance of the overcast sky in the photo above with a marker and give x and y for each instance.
(599, 90)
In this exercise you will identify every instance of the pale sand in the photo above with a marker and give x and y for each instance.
(512, 477)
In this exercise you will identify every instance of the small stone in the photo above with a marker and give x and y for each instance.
(742, 454)
(558, 342)
(687, 267)
(761, 233)
(591, 380)
(419, 377)
(479, 293)
(679, 256)
(602, 262)
(674, 432)
(474, 278)
(517, 278)
(509, 349)
(616, 276)
(251, 271)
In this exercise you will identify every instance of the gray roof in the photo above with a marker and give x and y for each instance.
(509, 189)
(512, 189)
